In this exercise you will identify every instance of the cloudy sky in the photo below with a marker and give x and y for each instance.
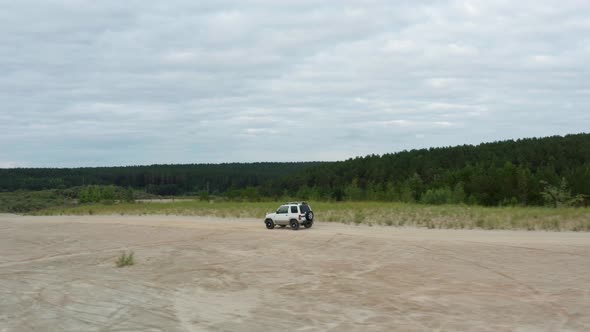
(110, 82)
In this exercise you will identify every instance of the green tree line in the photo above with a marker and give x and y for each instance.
(500, 173)
(552, 170)
(155, 179)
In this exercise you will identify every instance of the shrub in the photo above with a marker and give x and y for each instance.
(128, 195)
(204, 196)
(557, 196)
(125, 260)
(29, 201)
(438, 196)
(105, 194)
(359, 217)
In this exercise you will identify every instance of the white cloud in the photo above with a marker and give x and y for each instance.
(400, 123)
(444, 124)
(180, 56)
(462, 50)
(133, 82)
(470, 8)
(418, 125)
(11, 164)
(261, 131)
(440, 83)
(399, 46)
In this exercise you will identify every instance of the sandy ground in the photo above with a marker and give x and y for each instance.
(194, 274)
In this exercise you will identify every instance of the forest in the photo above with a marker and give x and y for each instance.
(534, 171)
(165, 180)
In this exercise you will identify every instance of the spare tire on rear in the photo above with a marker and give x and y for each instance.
(309, 216)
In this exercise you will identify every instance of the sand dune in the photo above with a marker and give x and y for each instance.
(195, 274)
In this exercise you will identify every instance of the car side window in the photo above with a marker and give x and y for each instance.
(283, 209)
(294, 209)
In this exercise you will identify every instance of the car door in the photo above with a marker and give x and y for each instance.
(294, 212)
(282, 215)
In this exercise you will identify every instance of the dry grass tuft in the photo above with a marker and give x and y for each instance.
(126, 259)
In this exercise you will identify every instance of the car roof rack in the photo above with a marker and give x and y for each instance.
(297, 203)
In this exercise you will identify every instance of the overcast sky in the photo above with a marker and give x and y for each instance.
(111, 82)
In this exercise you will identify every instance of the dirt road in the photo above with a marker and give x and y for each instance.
(195, 274)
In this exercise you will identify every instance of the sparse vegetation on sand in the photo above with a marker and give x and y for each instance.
(374, 213)
(126, 259)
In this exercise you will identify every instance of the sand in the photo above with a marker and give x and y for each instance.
(206, 274)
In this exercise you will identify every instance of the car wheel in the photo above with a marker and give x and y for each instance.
(308, 224)
(283, 226)
(269, 224)
(309, 216)
(294, 224)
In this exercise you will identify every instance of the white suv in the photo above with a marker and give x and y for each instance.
(293, 214)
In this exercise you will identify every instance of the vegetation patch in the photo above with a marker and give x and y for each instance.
(28, 201)
(126, 259)
(456, 216)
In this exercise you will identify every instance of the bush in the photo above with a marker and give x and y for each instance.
(125, 260)
(444, 195)
(437, 196)
(105, 194)
(359, 217)
(204, 196)
(29, 201)
(128, 195)
(557, 196)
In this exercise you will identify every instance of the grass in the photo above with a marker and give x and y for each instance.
(374, 213)
(28, 201)
(126, 259)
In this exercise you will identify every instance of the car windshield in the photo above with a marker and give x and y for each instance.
(304, 208)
